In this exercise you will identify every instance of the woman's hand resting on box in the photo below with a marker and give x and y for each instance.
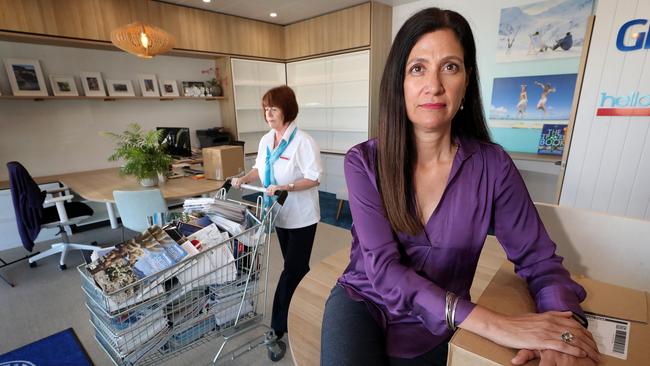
(537, 332)
(551, 357)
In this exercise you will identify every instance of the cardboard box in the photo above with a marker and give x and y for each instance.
(507, 293)
(221, 162)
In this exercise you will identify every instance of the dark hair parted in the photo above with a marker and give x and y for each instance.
(397, 154)
(284, 98)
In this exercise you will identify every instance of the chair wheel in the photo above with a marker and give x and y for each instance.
(33, 264)
(275, 357)
(63, 267)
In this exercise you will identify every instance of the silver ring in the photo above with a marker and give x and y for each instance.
(567, 337)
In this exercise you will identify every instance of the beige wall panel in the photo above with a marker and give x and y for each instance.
(381, 40)
(227, 106)
(194, 29)
(341, 30)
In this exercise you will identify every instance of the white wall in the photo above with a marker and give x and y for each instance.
(609, 162)
(57, 136)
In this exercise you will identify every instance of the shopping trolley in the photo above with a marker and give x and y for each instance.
(219, 292)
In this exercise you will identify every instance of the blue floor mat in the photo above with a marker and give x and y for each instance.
(62, 348)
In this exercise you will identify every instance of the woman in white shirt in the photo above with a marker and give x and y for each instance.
(288, 159)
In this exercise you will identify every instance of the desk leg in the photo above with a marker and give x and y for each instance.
(111, 215)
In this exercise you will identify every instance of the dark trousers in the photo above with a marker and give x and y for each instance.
(296, 245)
(351, 336)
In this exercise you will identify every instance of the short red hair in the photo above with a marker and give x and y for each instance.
(284, 98)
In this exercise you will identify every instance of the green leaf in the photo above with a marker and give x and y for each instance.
(143, 156)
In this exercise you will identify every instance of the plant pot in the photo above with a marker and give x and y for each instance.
(149, 182)
(216, 90)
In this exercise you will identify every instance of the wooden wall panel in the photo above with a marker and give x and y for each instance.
(340, 30)
(194, 29)
(380, 43)
(228, 117)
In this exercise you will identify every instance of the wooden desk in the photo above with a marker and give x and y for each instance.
(307, 307)
(98, 185)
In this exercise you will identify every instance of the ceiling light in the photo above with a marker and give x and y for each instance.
(142, 40)
(273, 15)
(206, 1)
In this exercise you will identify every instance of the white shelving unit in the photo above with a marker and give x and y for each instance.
(333, 98)
(333, 178)
(251, 80)
(333, 95)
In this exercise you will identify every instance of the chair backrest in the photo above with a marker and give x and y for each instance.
(135, 206)
(28, 201)
(605, 247)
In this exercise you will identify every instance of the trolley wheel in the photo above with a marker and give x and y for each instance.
(275, 357)
(63, 267)
(33, 264)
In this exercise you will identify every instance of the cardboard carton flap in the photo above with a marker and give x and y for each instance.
(605, 299)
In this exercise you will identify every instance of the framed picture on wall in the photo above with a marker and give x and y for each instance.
(531, 101)
(120, 88)
(169, 88)
(148, 85)
(193, 88)
(93, 84)
(63, 85)
(543, 30)
(25, 77)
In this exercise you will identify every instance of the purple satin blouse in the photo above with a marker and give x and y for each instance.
(403, 279)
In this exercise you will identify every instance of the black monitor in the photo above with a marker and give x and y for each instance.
(176, 140)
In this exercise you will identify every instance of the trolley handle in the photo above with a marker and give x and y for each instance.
(282, 194)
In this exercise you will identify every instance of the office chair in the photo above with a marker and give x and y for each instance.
(135, 206)
(31, 216)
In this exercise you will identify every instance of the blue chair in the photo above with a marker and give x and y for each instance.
(31, 216)
(135, 206)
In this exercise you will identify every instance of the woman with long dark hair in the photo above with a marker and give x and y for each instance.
(423, 197)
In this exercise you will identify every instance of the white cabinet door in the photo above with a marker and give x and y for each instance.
(333, 178)
(251, 80)
(333, 96)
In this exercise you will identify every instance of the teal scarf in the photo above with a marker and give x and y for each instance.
(271, 158)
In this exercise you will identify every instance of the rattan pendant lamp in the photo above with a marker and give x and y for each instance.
(141, 39)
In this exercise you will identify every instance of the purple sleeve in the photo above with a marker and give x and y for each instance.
(520, 231)
(402, 289)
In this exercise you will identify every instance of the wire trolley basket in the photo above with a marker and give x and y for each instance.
(219, 292)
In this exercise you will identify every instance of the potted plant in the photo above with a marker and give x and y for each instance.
(214, 84)
(215, 87)
(144, 157)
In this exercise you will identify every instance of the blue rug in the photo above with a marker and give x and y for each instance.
(328, 206)
(62, 348)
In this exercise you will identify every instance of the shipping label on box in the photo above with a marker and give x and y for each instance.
(610, 334)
